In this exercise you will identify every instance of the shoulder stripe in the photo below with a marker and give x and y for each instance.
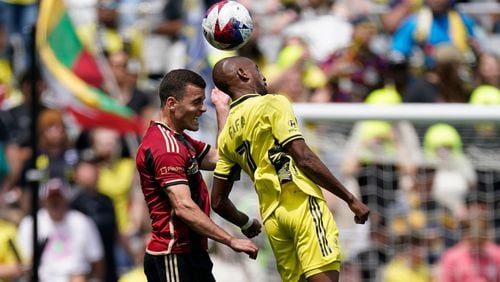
(291, 138)
(170, 142)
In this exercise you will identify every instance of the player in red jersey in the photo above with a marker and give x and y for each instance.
(169, 163)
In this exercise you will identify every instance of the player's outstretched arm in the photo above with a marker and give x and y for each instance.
(317, 171)
(221, 103)
(224, 207)
(196, 219)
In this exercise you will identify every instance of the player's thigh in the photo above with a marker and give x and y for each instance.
(316, 238)
(191, 267)
(284, 249)
(155, 268)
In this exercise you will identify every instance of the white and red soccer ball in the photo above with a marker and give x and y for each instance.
(227, 25)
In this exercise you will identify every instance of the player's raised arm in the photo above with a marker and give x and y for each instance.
(317, 171)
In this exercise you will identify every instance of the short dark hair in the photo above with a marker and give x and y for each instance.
(175, 81)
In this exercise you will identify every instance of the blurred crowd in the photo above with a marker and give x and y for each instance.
(434, 194)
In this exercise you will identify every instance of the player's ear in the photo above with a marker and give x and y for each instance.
(242, 74)
(171, 101)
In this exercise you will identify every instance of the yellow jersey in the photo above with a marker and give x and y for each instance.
(8, 233)
(253, 139)
(115, 181)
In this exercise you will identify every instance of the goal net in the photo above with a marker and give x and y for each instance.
(424, 170)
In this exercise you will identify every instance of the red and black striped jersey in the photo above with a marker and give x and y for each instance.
(166, 158)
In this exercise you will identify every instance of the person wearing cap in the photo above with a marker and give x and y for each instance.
(87, 199)
(379, 152)
(483, 147)
(70, 244)
(455, 175)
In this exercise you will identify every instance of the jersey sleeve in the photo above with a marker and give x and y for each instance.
(170, 169)
(283, 121)
(200, 147)
(227, 169)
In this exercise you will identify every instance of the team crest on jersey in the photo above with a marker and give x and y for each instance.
(192, 167)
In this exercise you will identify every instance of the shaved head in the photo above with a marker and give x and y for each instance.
(234, 75)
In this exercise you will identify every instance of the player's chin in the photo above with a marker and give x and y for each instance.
(194, 126)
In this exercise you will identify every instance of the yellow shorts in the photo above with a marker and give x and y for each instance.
(303, 235)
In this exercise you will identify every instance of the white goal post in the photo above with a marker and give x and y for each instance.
(411, 112)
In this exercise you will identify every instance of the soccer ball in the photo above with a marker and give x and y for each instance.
(227, 25)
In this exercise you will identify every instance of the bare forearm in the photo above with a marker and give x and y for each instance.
(317, 171)
(227, 210)
(202, 224)
(97, 273)
(10, 271)
(393, 18)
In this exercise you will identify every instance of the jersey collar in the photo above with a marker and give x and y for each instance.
(242, 99)
(166, 126)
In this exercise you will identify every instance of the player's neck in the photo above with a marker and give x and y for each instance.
(167, 120)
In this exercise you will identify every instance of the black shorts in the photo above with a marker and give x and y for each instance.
(189, 267)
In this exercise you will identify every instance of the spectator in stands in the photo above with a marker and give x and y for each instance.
(16, 117)
(483, 152)
(295, 74)
(100, 209)
(108, 36)
(437, 22)
(70, 243)
(373, 259)
(19, 17)
(116, 180)
(488, 71)
(398, 11)
(454, 175)
(126, 72)
(353, 72)
(56, 155)
(409, 264)
(116, 173)
(136, 274)
(447, 81)
(163, 48)
(4, 164)
(475, 258)
(313, 19)
(378, 151)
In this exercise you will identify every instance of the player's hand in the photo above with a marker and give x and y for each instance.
(253, 230)
(244, 245)
(360, 211)
(219, 98)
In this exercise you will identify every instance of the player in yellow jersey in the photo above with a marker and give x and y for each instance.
(262, 137)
